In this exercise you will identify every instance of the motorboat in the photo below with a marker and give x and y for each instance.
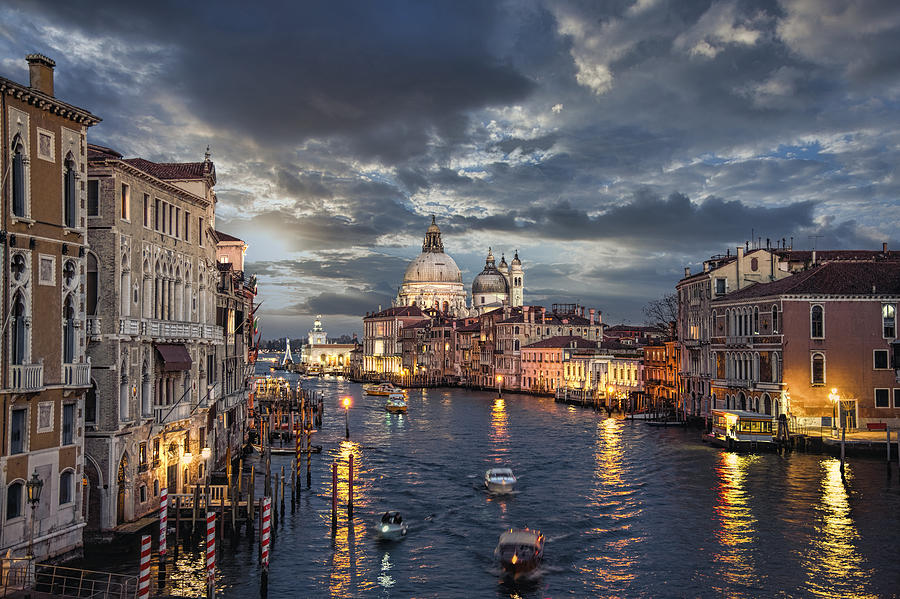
(520, 550)
(392, 527)
(382, 389)
(742, 430)
(396, 403)
(499, 480)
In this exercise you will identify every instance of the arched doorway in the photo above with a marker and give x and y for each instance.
(121, 478)
(92, 501)
(742, 400)
(767, 404)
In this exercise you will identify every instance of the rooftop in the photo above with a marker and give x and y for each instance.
(563, 341)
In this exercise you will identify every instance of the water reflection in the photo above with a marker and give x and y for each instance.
(611, 570)
(499, 435)
(736, 532)
(385, 579)
(833, 565)
(344, 579)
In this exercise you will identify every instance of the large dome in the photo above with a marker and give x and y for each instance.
(490, 280)
(433, 267)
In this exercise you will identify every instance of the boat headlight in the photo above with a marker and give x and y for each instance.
(384, 529)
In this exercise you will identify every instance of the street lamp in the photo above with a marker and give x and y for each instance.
(834, 398)
(33, 487)
(346, 402)
(499, 385)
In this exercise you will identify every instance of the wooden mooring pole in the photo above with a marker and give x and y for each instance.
(333, 498)
(350, 490)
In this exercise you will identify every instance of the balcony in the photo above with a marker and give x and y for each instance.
(741, 340)
(167, 329)
(77, 375)
(129, 326)
(93, 327)
(26, 377)
(171, 413)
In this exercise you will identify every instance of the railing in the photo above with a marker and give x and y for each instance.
(77, 375)
(170, 413)
(93, 326)
(26, 377)
(129, 326)
(71, 582)
(737, 340)
(16, 574)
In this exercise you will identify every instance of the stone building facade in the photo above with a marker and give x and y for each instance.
(43, 285)
(153, 331)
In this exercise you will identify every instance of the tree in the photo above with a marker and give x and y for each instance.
(662, 313)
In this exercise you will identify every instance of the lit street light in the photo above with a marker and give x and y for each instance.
(33, 487)
(346, 402)
(835, 399)
(499, 385)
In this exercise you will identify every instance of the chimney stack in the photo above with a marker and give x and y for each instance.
(40, 71)
(687, 271)
(592, 316)
(543, 315)
(884, 248)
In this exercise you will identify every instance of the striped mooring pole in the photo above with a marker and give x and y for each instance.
(210, 555)
(163, 520)
(299, 438)
(143, 590)
(265, 526)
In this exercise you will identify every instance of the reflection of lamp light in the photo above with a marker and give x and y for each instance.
(499, 385)
(346, 401)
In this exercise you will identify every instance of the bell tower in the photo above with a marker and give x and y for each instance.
(517, 282)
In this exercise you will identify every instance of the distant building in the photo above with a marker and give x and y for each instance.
(324, 355)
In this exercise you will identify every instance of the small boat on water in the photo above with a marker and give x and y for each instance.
(520, 550)
(286, 450)
(396, 403)
(499, 480)
(664, 422)
(742, 430)
(382, 389)
(392, 527)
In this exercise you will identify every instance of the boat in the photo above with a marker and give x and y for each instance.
(499, 480)
(392, 527)
(396, 403)
(382, 389)
(520, 550)
(742, 430)
(664, 422)
(286, 450)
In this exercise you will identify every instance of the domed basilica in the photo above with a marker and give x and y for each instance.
(433, 281)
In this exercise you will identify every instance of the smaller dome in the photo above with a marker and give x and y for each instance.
(516, 261)
(489, 280)
(503, 265)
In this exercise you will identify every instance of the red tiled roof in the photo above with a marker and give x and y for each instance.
(831, 255)
(173, 170)
(563, 341)
(469, 328)
(97, 152)
(398, 311)
(832, 278)
(226, 237)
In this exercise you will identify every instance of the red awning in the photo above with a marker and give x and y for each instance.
(175, 356)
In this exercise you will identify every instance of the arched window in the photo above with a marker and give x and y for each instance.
(517, 329)
(123, 392)
(18, 330)
(756, 320)
(817, 375)
(14, 500)
(92, 274)
(18, 177)
(817, 322)
(69, 330)
(767, 404)
(70, 212)
(516, 345)
(774, 319)
(156, 488)
(65, 487)
(90, 404)
(776, 368)
(712, 324)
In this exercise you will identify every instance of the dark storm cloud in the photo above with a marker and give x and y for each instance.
(353, 303)
(380, 272)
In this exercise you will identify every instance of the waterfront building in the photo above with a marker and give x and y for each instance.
(235, 294)
(495, 287)
(381, 338)
(154, 340)
(544, 362)
(820, 343)
(48, 280)
(661, 377)
(331, 357)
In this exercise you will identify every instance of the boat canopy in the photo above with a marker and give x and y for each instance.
(521, 537)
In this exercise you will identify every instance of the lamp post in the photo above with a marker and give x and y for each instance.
(346, 402)
(835, 399)
(33, 487)
(499, 386)
(609, 397)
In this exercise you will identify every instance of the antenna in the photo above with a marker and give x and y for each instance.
(815, 239)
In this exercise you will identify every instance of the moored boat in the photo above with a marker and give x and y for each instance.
(392, 527)
(396, 403)
(520, 550)
(739, 429)
(499, 480)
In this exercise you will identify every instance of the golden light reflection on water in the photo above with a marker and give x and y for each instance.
(737, 529)
(346, 577)
(833, 564)
(611, 570)
(499, 435)
(186, 577)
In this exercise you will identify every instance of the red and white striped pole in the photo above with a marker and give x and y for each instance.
(265, 529)
(211, 555)
(143, 590)
(163, 520)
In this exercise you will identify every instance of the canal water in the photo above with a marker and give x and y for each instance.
(627, 511)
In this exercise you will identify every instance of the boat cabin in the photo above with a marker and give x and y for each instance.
(741, 426)
(391, 518)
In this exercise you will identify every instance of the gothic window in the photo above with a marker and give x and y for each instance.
(18, 177)
(817, 322)
(774, 319)
(70, 218)
(92, 280)
(69, 330)
(90, 404)
(17, 267)
(18, 330)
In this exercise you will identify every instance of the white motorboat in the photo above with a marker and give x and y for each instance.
(391, 527)
(520, 550)
(499, 480)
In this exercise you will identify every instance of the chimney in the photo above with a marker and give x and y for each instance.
(737, 263)
(884, 248)
(592, 316)
(687, 271)
(543, 314)
(814, 257)
(40, 70)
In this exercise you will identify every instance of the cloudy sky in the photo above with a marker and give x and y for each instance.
(612, 143)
